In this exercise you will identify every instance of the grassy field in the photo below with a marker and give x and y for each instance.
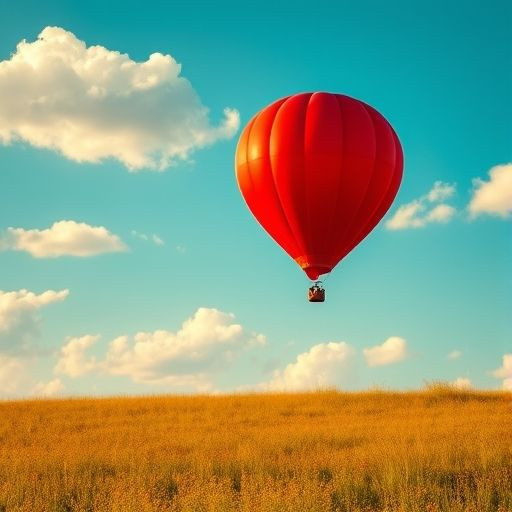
(434, 450)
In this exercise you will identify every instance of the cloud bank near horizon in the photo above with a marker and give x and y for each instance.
(191, 359)
(505, 372)
(393, 350)
(186, 359)
(325, 365)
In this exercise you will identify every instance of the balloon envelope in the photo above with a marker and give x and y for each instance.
(318, 171)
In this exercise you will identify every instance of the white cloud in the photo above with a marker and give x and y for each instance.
(406, 217)
(73, 360)
(92, 103)
(257, 340)
(19, 329)
(441, 191)
(18, 317)
(393, 350)
(493, 197)
(157, 240)
(188, 358)
(14, 304)
(51, 388)
(63, 238)
(505, 372)
(440, 213)
(420, 212)
(454, 354)
(12, 371)
(324, 365)
(203, 341)
(461, 383)
(148, 238)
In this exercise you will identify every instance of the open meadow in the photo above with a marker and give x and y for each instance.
(426, 451)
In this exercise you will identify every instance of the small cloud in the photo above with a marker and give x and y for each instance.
(505, 372)
(440, 213)
(454, 354)
(406, 217)
(181, 249)
(420, 212)
(50, 388)
(73, 360)
(157, 240)
(257, 340)
(90, 103)
(137, 234)
(148, 238)
(461, 383)
(441, 191)
(324, 365)
(19, 319)
(63, 238)
(493, 197)
(393, 350)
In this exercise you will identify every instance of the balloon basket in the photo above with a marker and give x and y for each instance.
(316, 293)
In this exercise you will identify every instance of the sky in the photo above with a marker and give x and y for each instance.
(129, 263)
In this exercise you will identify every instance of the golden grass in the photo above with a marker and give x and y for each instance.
(428, 451)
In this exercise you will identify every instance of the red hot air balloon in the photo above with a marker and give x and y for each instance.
(318, 171)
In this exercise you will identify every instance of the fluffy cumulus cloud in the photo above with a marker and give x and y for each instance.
(19, 320)
(393, 350)
(50, 388)
(324, 365)
(188, 358)
(428, 209)
(505, 372)
(461, 383)
(91, 103)
(493, 197)
(203, 343)
(63, 238)
(73, 360)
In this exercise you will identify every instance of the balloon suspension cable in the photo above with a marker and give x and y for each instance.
(325, 278)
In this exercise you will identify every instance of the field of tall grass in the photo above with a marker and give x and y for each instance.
(425, 451)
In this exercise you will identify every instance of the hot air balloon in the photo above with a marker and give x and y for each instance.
(318, 171)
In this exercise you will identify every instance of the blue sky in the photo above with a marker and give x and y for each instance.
(171, 284)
